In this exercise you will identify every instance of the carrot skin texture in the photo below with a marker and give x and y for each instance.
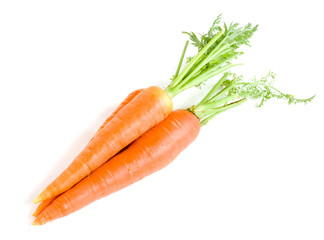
(127, 100)
(154, 150)
(146, 110)
(42, 205)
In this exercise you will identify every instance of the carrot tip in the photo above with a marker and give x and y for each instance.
(35, 223)
(38, 199)
(38, 222)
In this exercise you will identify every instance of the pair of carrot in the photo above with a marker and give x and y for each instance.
(216, 51)
(149, 153)
(149, 132)
(152, 151)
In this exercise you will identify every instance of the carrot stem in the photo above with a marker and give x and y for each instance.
(195, 60)
(222, 109)
(217, 49)
(181, 59)
(214, 89)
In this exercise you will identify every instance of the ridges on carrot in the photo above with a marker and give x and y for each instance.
(127, 100)
(128, 124)
(154, 150)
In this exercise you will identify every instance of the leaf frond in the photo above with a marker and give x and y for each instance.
(231, 91)
(216, 49)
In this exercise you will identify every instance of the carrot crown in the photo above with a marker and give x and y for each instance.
(216, 50)
(231, 91)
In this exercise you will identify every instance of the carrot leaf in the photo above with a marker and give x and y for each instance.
(231, 91)
(216, 50)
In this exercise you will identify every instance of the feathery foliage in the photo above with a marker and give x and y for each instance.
(261, 89)
(216, 50)
(231, 90)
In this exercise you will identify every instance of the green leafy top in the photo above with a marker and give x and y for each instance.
(260, 89)
(237, 36)
(231, 91)
(216, 50)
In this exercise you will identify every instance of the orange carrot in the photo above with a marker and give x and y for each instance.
(216, 51)
(145, 110)
(127, 100)
(42, 205)
(154, 150)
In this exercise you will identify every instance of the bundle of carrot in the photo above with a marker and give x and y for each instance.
(148, 107)
(160, 135)
(160, 145)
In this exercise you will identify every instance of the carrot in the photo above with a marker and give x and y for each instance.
(160, 145)
(152, 151)
(146, 110)
(128, 99)
(153, 104)
(42, 205)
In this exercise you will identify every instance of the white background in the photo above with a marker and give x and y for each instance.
(251, 174)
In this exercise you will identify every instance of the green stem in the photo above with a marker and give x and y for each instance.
(181, 59)
(211, 73)
(220, 110)
(208, 108)
(201, 78)
(204, 62)
(216, 50)
(222, 92)
(194, 60)
(214, 89)
(205, 76)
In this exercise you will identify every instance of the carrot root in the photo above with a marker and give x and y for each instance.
(127, 100)
(146, 110)
(154, 150)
